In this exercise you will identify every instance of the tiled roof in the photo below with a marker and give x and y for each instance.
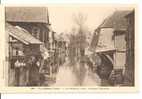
(117, 21)
(27, 14)
(21, 35)
(132, 13)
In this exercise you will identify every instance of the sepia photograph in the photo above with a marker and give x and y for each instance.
(70, 46)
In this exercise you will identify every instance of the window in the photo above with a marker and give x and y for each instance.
(120, 60)
(36, 32)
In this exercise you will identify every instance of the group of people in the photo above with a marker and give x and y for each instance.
(31, 71)
(26, 72)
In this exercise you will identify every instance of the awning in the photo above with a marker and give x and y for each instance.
(104, 49)
(21, 35)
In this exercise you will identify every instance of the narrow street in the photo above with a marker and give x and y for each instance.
(66, 76)
(78, 51)
(91, 79)
(69, 76)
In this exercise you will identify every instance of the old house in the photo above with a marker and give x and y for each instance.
(33, 19)
(111, 44)
(21, 45)
(130, 49)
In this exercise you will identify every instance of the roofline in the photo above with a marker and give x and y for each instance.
(114, 28)
(27, 22)
(133, 11)
(20, 38)
(106, 51)
(105, 27)
(24, 10)
(23, 41)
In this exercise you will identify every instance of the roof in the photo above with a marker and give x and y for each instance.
(132, 13)
(117, 21)
(21, 35)
(27, 14)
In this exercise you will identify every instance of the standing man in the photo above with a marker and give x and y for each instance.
(33, 72)
(17, 72)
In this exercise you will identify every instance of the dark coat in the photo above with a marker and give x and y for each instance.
(33, 75)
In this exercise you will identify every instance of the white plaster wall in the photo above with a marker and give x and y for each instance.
(106, 42)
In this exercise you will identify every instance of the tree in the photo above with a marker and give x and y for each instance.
(80, 44)
(80, 20)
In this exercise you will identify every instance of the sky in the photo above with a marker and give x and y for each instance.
(61, 16)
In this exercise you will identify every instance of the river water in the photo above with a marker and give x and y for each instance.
(67, 77)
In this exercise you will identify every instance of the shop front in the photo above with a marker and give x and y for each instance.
(22, 46)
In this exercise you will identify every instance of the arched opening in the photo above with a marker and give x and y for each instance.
(106, 66)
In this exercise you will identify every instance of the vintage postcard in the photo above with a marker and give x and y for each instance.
(68, 48)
